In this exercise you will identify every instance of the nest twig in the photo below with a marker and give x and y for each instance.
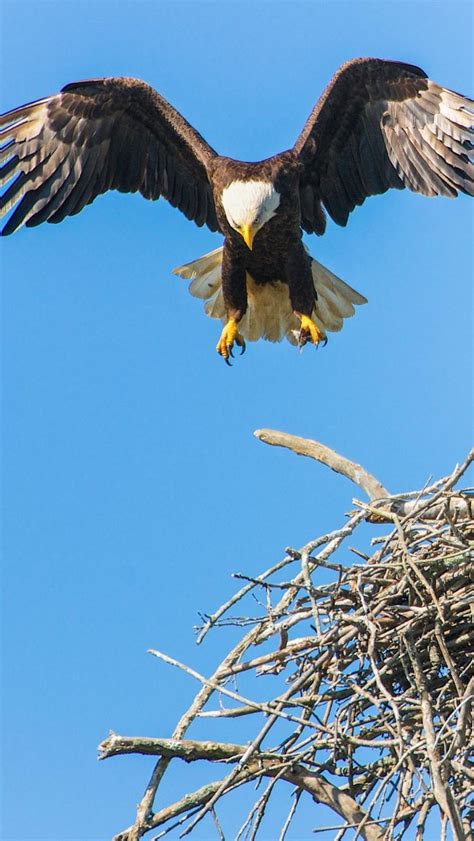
(376, 668)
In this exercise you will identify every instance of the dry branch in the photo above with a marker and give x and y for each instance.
(377, 677)
(460, 506)
(313, 449)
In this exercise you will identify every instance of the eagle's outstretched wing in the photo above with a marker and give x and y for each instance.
(382, 124)
(98, 135)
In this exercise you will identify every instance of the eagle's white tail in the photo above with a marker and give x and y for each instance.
(269, 314)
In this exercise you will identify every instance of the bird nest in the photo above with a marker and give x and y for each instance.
(374, 663)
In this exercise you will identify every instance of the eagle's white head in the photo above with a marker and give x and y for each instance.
(249, 205)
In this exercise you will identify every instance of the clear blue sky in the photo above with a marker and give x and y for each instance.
(133, 487)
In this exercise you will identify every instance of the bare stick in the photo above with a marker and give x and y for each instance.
(313, 449)
(262, 764)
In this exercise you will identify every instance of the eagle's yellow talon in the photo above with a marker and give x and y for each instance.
(229, 336)
(310, 332)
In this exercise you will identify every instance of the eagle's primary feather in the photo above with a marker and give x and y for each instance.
(378, 124)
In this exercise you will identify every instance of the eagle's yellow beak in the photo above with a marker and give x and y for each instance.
(248, 234)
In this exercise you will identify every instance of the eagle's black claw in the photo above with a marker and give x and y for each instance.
(243, 348)
(229, 348)
(227, 361)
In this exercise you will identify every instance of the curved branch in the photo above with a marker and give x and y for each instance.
(313, 449)
(260, 765)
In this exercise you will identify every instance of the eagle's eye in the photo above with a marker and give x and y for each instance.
(257, 218)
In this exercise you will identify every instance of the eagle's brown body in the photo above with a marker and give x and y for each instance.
(277, 253)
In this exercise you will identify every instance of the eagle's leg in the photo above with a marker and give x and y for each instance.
(234, 290)
(303, 296)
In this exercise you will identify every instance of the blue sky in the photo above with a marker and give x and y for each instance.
(133, 486)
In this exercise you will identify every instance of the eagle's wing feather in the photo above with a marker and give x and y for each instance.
(382, 124)
(99, 135)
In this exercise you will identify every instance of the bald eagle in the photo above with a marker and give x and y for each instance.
(378, 124)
